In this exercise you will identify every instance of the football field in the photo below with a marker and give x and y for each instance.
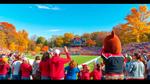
(80, 59)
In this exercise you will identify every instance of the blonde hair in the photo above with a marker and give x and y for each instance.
(5, 60)
(73, 64)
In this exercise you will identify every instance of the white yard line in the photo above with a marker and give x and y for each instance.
(88, 62)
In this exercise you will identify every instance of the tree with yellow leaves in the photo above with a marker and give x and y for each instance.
(22, 40)
(13, 46)
(137, 24)
(10, 32)
(90, 43)
(3, 39)
(59, 41)
(67, 38)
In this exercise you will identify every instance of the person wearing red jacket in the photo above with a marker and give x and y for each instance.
(85, 73)
(96, 74)
(4, 68)
(57, 65)
(44, 67)
(26, 69)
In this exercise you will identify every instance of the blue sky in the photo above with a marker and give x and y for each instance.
(56, 19)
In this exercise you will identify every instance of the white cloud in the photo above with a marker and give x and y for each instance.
(54, 30)
(55, 8)
(50, 7)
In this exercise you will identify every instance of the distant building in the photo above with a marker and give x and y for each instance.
(77, 42)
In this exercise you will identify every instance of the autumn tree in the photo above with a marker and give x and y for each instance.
(10, 32)
(59, 41)
(51, 41)
(40, 40)
(94, 37)
(37, 49)
(137, 25)
(90, 43)
(2, 39)
(45, 43)
(86, 36)
(31, 45)
(13, 46)
(100, 38)
(67, 38)
(23, 40)
(45, 48)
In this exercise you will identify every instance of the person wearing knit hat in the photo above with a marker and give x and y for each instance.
(113, 58)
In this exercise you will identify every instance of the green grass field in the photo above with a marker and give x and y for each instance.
(78, 58)
(82, 59)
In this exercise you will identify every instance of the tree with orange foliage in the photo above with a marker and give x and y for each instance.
(90, 43)
(2, 39)
(138, 23)
(37, 49)
(22, 41)
(45, 48)
(10, 32)
(59, 41)
(13, 46)
(86, 36)
(67, 38)
(137, 26)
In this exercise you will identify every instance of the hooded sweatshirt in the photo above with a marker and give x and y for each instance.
(96, 74)
(44, 68)
(84, 75)
(26, 69)
(4, 68)
(57, 66)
